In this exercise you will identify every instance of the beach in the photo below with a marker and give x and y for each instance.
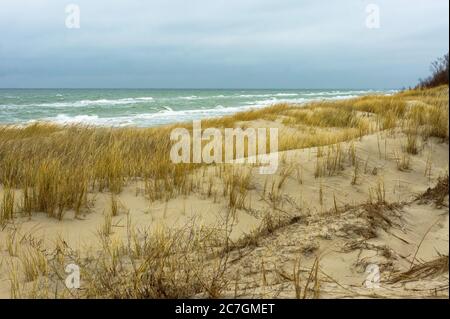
(357, 207)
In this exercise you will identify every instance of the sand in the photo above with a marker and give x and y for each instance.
(333, 224)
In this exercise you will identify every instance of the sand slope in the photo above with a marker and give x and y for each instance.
(329, 217)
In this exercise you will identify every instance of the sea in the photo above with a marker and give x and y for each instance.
(147, 107)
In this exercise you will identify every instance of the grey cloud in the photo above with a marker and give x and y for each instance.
(218, 43)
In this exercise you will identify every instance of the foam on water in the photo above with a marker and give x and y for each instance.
(147, 107)
(84, 103)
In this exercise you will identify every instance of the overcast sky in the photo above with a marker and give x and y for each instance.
(220, 43)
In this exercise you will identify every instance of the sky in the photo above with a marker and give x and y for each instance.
(221, 43)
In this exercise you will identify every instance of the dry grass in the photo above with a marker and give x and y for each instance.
(56, 167)
(166, 263)
(403, 162)
(236, 183)
(436, 194)
(7, 206)
(428, 269)
(53, 169)
(34, 264)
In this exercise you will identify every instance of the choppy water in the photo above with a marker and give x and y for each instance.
(144, 107)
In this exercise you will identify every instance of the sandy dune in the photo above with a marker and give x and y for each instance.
(328, 216)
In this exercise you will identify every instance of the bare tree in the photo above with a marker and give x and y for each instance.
(439, 74)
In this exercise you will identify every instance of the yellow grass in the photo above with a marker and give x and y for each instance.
(53, 169)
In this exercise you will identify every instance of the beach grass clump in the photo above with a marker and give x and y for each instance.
(165, 263)
(403, 162)
(7, 205)
(58, 167)
(428, 109)
(437, 119)
(412, 139)
(381, 105)
(438, 193)
(325, 114)
(433, 268)
(236, 184)
(34, 264)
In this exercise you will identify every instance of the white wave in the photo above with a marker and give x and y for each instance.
(341, 97)
(167, 108)
(93, 120)
(146, 119)
(195, 97)
(86, 103)
(338, 93)
(298, 100)
(77, 119)
(171, 114)
(192, 97)
(111, 102)
(254, 95)
(286, 94)
(145, 98)
(275, 101)
(8, 106)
